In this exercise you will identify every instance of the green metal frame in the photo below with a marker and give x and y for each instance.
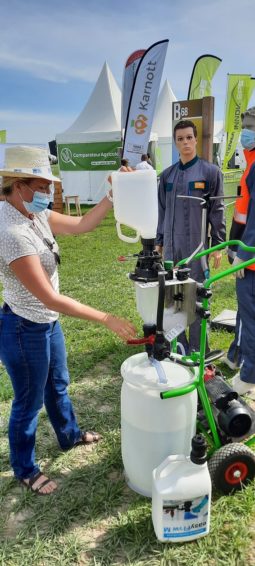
(198, 383)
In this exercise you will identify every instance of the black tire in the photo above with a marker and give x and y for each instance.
(232, 467)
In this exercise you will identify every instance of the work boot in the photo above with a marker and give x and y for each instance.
(231, 365)
(243, 387)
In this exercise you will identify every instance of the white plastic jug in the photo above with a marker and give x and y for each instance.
(135, 203)
(152, 428)
(181, 499)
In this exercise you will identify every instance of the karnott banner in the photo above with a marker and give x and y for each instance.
(203, 72)
(128, 81)
(143, 101)
(101, 156)
(239, 91)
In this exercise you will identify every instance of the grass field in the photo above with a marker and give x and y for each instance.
(94, 518)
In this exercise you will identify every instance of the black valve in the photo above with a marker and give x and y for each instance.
(149, 330)
(182, 273)
(203, 293)
(203, 313)
(149, 262)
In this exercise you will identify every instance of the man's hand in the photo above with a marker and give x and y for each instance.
(240, 274)
(159, 249)
(216, 259)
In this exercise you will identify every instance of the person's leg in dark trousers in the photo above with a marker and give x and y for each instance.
(245, 289)
(234, 354)
(192, 342)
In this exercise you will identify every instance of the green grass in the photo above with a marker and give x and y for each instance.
(94, 519)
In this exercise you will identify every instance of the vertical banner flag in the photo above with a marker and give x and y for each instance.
(128, 81)
(239, 91)
(2, 136)
(204, 70)
(143, 101)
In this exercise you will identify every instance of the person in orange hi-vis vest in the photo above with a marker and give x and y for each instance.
(243, 228)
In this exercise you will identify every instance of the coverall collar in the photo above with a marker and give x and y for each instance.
(189, 164)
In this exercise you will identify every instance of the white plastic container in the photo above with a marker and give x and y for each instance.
(135, 201)
(181, 500)
(147, 300)
(152, 428)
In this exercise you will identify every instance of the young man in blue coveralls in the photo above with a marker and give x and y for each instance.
(179, 225)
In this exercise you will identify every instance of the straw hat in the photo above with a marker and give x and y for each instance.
(25, 161)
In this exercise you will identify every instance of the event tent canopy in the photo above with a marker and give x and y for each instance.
(98, 126)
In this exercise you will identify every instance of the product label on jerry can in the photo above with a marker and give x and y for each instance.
(185, 518)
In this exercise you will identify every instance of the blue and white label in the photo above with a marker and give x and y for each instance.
(185, 518)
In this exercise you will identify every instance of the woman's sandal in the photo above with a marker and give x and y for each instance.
(29, 484)
(85, 440)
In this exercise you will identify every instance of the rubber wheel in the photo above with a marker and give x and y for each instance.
(232, 467)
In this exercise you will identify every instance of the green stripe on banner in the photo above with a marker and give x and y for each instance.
(2, 136)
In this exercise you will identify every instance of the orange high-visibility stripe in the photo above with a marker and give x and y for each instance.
(241, 204)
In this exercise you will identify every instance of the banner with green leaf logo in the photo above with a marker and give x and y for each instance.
(239, 91)
(204, 69)
(142, 102)
(100, 156)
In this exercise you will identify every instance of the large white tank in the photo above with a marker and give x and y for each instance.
(152, 428)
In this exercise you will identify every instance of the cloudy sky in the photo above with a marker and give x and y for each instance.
(51, 52)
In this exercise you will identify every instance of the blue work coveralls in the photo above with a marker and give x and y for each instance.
(179, 224)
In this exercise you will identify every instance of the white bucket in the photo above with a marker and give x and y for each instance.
(135, 201)
(152, 428)
(181, 499)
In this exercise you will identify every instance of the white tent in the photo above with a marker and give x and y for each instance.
(162, 124)
(88, 149)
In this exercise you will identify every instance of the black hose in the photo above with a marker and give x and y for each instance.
(161, 300)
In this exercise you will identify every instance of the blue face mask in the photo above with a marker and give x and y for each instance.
(39, 203)
(248, 138)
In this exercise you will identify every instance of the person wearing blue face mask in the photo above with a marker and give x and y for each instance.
(242, 350)
(32, 345)
(248, 139)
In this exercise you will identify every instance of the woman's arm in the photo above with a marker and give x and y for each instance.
(64, 224)
(29, 271)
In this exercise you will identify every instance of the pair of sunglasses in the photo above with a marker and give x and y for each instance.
(50, 246)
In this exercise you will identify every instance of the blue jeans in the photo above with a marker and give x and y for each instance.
(34, 355)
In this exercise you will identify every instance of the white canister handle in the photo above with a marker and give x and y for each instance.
(167, 461)
(128, 239)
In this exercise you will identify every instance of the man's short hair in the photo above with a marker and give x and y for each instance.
(124, 162)
(185, 124)
(144, 157)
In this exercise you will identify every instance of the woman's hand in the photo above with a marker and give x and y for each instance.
(122, 327)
